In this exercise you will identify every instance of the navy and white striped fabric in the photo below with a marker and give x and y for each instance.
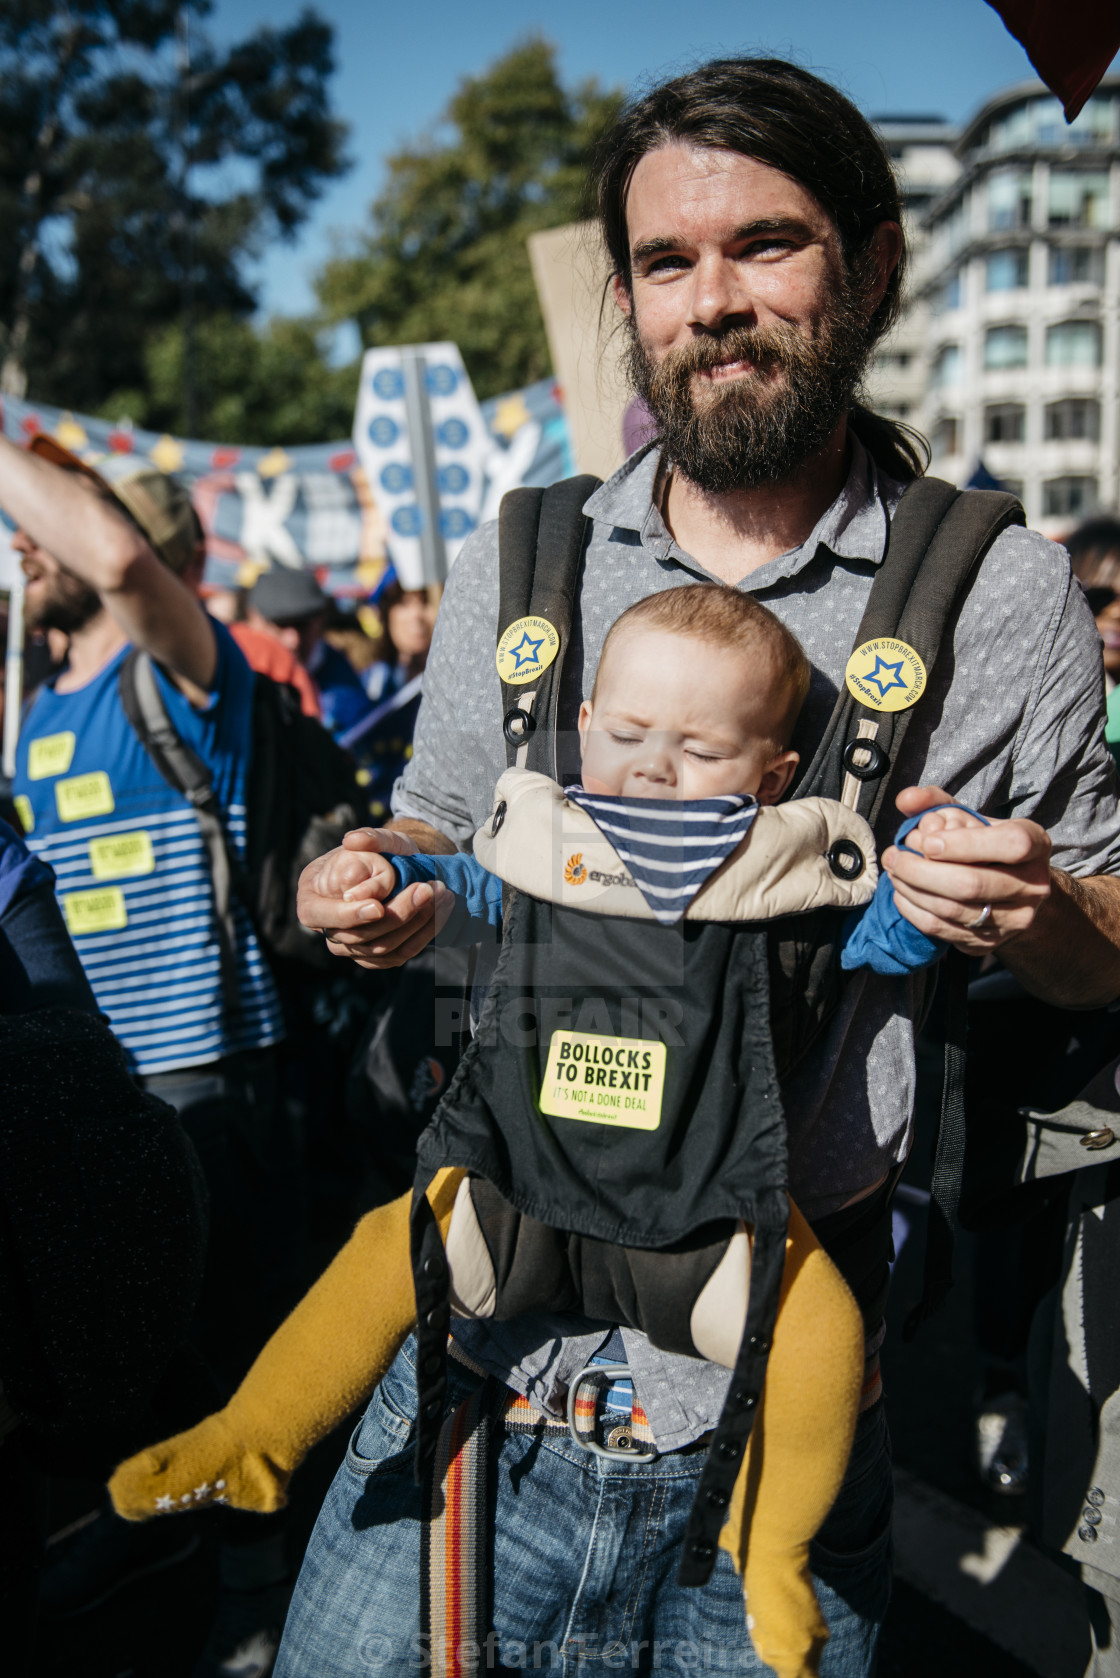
(131, 872)
(669, 846)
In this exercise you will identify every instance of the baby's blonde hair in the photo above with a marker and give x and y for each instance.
(717, 614)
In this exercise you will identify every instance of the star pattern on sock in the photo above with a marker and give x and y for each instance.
(165, 1504)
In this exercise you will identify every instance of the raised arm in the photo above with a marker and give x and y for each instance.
(65, 514)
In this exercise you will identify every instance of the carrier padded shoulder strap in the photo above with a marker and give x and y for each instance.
(935, 541)
(542, 535)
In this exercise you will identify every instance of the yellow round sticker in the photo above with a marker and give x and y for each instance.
(526, 650)
(886, 675)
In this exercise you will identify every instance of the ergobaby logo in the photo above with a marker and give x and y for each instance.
(577, 873)
(575, 870)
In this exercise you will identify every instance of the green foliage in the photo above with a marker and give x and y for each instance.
(267, 385)
(139, 168)
(446, 254)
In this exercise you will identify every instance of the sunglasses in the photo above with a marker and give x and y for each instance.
(1099, 598)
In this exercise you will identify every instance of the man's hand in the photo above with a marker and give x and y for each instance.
(965, 867)
(340, 895)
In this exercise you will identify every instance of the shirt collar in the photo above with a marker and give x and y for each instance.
(853, 527)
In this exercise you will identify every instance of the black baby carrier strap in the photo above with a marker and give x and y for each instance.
(561, 968)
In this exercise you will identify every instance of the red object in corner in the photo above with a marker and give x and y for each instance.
(1071, 46)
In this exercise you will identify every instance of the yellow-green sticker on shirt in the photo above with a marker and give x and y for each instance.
(51, 754)
(85, 795)
(121, 853)
(102, 910)
(24, 811)
(606, 1080)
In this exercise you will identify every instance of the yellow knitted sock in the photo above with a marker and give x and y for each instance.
(798, 1454)
(321, 1363)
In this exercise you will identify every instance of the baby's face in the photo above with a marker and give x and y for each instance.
(676, 717)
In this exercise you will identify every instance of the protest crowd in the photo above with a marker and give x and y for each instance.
(765, 793)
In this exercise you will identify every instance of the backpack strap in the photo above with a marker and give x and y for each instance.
(542, 537)
(935, 541)
(186, 773)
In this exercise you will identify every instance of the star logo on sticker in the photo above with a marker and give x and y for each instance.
(527, 651)
(894, 672)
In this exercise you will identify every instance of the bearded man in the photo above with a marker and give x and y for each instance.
(753, 227)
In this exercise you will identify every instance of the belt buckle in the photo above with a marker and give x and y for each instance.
(606, 1372)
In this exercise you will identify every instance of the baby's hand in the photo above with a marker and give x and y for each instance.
(940, 821)
(363, 875)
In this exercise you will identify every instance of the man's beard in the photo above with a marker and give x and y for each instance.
(754, 429)
(65, 603)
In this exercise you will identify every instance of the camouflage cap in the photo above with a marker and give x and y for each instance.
(159, 504)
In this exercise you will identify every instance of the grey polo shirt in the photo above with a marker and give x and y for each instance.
(1012, 724)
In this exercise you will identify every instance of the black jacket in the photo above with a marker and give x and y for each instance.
(102, 1235)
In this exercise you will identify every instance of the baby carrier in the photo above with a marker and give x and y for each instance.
(708, 1015)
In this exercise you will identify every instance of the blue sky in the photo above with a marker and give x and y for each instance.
(399, 64)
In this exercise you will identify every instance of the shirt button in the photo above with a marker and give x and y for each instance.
(1091, 1517)
(1094, 1496)
(1087, 1535)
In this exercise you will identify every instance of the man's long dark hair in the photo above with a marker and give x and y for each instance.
(778, 114)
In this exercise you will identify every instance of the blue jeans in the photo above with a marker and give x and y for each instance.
(585, 1558)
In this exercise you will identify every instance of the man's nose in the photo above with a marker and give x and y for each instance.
(717, 293)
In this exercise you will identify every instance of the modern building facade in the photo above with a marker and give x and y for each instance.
(1016, 287)
(923, 152)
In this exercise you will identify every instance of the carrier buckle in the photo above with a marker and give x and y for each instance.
(620, 1439)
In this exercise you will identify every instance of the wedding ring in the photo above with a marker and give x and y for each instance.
(984, 915)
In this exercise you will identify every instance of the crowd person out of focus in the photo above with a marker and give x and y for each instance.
(288, 607)
(112, 559)
(393, 681)
(1094, 552)
(101, 1205)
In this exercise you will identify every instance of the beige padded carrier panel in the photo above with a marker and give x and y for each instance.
(550, 848)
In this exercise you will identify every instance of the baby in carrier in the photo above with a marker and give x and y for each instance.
(627, 1167)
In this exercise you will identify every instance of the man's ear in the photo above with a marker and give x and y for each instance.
(883, 258)
(622, 297)
(776, 777)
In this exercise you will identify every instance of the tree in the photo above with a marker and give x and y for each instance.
(121, 129)
(258, 385)
(446, 255)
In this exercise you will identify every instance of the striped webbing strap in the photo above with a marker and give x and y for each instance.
(456, 1546)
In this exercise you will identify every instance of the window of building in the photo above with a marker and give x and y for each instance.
(946, 369)
(1005, 346)
(1078, 198)
(1073, 343)
(948, 295)
(1068, 498)
(946, 435)
(1005, 422)
(1006, 271)
(1075, 417)
(1039, 122)
(1012, 129)
(1009, 199)
(1076, 265)
(1094, 126)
